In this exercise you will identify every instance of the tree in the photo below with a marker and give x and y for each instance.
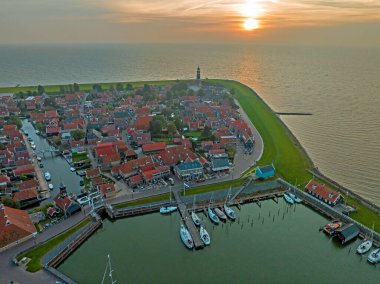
(178, 123)
(71, 89)
(172, 129)
(50, 101)
(119, 87)
(206, 133)
(13, 119)
(155, 126)
(97, 88)
(78, 134)
(129, 87)
(61, 89)
(40, 126)
(56, 140)
(112, 89)
(10, 202)
(40, 89)
(76, 87)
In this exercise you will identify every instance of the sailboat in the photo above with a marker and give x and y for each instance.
(374, 256)
(108, 267)
(194, 216)
(205, 237)
(229, 212)
(365, 245)
(288, 198)
(295, 198)
(186, 237)
(220, 214)
(211, 213)
(168, 209)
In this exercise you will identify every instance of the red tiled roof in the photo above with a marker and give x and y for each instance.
(31, 183)
(21, 171)
(51, 114)
(96, 181)
(135, 179)
(62, 202)
(107, 187)
(322, 191)
(92, 172)
(25, 194)
(19, 225)
(54, 129)
(159, 146)
(173, 155)
(4, 178)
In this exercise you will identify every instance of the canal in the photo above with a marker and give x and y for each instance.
(57, 166)
(272, 244)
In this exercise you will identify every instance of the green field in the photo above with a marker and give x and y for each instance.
(214, 186)
(151, 199)
(37, 253)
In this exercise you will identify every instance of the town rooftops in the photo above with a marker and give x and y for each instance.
(189, 166)
(322, 191)
(90, 173)
(24, 195)
(23, 171)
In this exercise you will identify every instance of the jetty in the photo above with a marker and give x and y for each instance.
(188, 222)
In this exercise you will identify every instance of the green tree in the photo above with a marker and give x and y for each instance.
(40, 89)
(61, 89)
(40, 126)
(129, 87)
(97, 88)
(77, 134)
(155, 126)
(178, 123)
(119, 87)
(112, 89)
(76, 87)
(13, 119)
(172, 129)
(206, 133)
(50, 101)
(56, 140)
(10, 202)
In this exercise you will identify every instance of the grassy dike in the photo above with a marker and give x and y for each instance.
(37, 253)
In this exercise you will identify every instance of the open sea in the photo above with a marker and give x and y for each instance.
(339, 86)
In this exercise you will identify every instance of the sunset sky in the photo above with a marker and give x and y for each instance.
(279, 21)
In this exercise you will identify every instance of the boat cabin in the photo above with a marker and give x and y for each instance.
(347, 232)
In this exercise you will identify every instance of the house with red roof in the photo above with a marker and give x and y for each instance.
(29, 184)
(92, 173)
(153, 174)
(66, 205)
(153, 148)
(130, 167)
(323, 193)
(135, 180)
(29, 171)
(172, 155)
(26, 197)
(4, 180)
(142, 123)
(108, 189)
(15, 227)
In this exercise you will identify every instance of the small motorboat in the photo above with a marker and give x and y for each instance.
(205, 237)
(168, 209)
(220, 214)
(81, 173)
(81, 182)
(33, 146)
(364, 247)
(374, 256)
(196, 219)
(41, 165)
(229, 212)
(62, 186)
(37, 132)
(72, 169)
(213, 216)
(39, 159)
(51, 186)
(47, 176)
(186, 237)
(288, 199)
(295, 198)
(331, 227)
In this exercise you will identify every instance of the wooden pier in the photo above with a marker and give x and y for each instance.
(188, 222)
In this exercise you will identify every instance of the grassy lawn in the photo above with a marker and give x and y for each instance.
(37, 253)
(151, 199)
(214, 186)
(79, 157)
(193, 134)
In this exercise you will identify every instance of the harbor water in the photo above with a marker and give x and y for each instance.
(276, 243)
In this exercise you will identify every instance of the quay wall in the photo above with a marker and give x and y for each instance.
(329, 211)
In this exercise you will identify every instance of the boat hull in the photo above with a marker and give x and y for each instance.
(288, 199)
(213, 216)
(220, 214)
(195, 219)
(364, 247)
(186, 237)
(205, 237)
(229, 212)
(168, 209)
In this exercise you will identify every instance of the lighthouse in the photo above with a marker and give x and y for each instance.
(198, 74)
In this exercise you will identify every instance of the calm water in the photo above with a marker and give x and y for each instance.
(255, 249)
(340, 86)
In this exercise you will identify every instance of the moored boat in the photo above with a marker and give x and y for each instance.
(72, 169)
(196, 219)
(213, 216)
(47, 176)
(62, 186)
(220, 214)
(51, 186)
(205, 237)
(39, 159)
(33, 146)
(229, 212)
(364, 247)
(288, 198)
(37, 132)
(167, 209)
(295, 198)
(374, 256)
(186, 237)
(331, 227)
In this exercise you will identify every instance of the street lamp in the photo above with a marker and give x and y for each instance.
(64, 209)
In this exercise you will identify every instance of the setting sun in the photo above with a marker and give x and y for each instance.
(251, 24)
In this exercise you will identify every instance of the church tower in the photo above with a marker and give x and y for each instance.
(198, 73)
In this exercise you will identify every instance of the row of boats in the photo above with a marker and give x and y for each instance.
(364, 246)
(291, 198)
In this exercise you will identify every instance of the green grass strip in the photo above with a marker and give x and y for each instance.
(151, 199)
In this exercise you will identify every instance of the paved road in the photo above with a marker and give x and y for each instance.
(9, 271)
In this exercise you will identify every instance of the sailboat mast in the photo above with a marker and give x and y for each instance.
(110, 274)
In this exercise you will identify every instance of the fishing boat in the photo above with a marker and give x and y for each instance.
(220, 214)
(229, 212)
(72, 169)
(213, 216)
(205, 237)
(186, 237)
(288, 198)
(167, 209)
(47, 176)
(62, 186)
(374, 256)
(39, 159)
(51, 186)
(41, 165)
(81, 182)
(295, 198)
(331, 227)
(196, 219)
(37, 132)
(33, 146)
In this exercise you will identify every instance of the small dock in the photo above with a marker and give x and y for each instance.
(188, 222)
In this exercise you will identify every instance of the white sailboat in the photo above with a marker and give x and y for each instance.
(108, 268)
(366, 245)
(205, 237)
(229, 212)
(168, 209)
(194, 216)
